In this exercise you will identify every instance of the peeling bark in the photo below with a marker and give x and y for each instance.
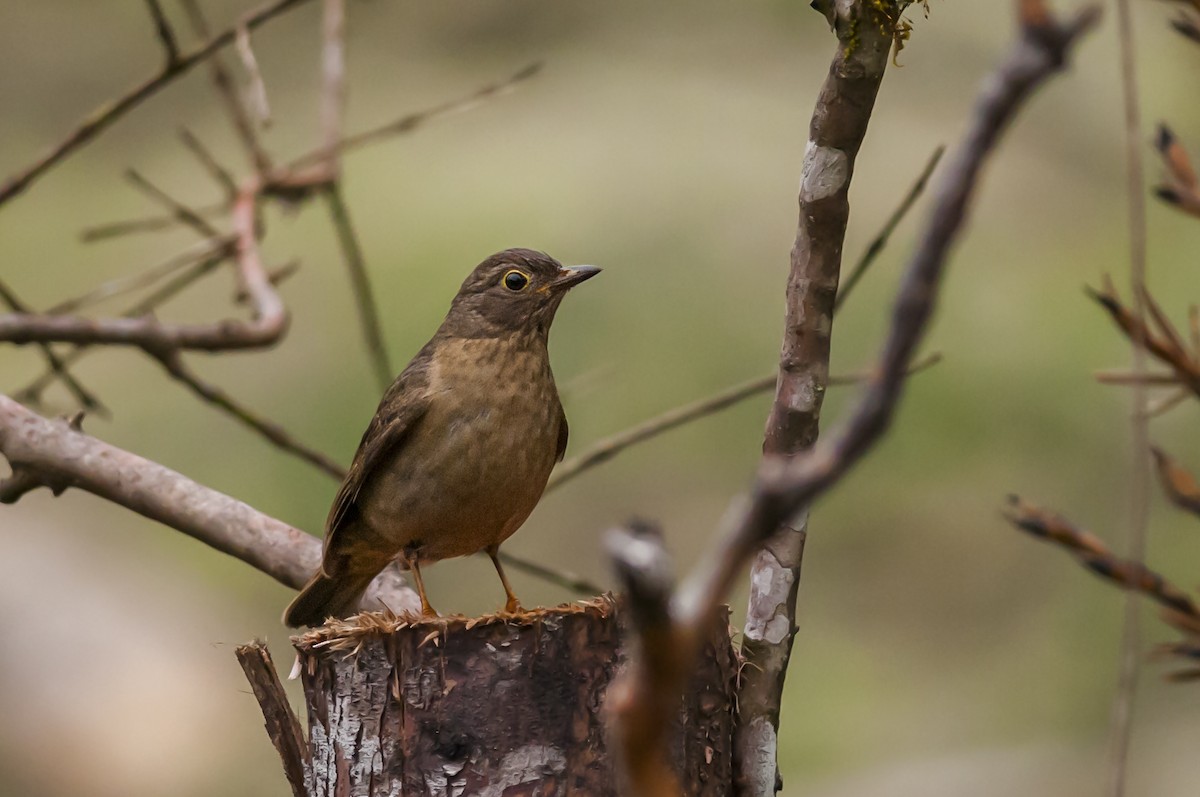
(839, 123)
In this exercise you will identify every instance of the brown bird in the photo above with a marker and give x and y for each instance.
(462, 444)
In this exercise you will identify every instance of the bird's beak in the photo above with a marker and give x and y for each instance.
(574, 275)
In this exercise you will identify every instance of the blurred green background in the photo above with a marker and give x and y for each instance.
(939, 653)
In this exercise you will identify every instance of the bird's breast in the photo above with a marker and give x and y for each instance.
(478, 461)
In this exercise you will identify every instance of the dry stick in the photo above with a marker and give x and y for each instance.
(837, 128)
(219, 173)
(269, 323)
(273, 432)
(1096, 557)
(364, 298)
(162, 27)
(604, 450)
(784, 487)
(61, 456)
(1121, 722)
(57, 366)
(145, 224)
(31, 393)
(104, 116)
(282, 725)
(879, 242)
(181, 211)
(412, 121)
(259, 160)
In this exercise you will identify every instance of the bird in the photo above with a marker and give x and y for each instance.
(461, 446)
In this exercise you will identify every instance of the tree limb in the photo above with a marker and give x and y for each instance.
(57, 455)
(836, 131)
(785, 487)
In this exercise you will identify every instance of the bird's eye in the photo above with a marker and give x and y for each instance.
(515, 280)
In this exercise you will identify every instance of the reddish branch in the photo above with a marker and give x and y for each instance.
(785, 487)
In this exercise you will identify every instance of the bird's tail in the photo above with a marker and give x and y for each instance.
(324, 597)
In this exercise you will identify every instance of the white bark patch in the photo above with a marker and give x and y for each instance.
(767, 618)
(825, 172)
(758, 757)
(533, 762)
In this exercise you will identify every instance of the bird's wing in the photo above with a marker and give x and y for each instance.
(402, 407)
(563, 433)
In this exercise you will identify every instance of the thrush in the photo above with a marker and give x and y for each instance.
(462, 444)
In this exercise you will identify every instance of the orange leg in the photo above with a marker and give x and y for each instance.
(427, 611)
(512, 605)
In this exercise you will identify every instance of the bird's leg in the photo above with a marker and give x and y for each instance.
(512, 605)
(427, 611)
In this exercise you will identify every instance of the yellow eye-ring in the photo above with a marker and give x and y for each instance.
(516, 280)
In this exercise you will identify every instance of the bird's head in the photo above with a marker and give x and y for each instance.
(513, 290)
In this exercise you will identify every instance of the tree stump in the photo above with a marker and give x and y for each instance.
(496, 706)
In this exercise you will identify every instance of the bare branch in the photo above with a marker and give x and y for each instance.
(268, 325)
(840, 118)
(880, 241)
(282, 725)
(104, 116)
(1093, 554)
(412, 121)
(276, 434)
(604, 450)
(259, 160)
(56, 364)
(61, 456)
(162, 27)
(178, 209)
(364, 296)
(145, 224)
(220, 174)
(784, 487)
(562, 578)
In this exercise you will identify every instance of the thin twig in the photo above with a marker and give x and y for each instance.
(1179, 485)
(1098, 558)
(104, 116)
(880, 241)
(181, 211)
(145, 224)
(276, 434)
(604, 450)
(412, 121)
(162, 27)
(259, 160)
(364, 297)
(552, 575)
(269, 323)
(1121, 724)
(219, 173)
(56, 365)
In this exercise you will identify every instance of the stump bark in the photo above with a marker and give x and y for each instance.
(497, 706)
